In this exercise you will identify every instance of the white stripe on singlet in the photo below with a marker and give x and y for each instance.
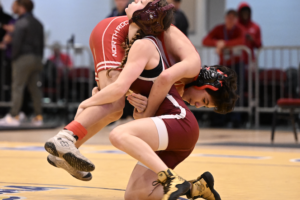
(182, 114)
(151, 38)
(107, 67)
(108, 62)
(103, 38)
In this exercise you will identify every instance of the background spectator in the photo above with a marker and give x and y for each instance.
(252, 30)
(61, 60)
(180, 20)
(119, 10)
(27, 53)
(5, 53)
(223, 37)
(4, 19)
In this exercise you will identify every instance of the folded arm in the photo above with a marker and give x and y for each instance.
(188, 67)
(137, 60)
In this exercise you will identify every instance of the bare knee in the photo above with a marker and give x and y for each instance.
(118, 136)
(116, 115)
(117, 110)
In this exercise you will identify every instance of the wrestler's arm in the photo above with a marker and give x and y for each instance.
(188, 67)
(137, 60)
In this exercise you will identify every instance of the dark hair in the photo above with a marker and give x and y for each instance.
(225, 98)
(177, 1)
(140, 34)
(232, 12)
(27, 4)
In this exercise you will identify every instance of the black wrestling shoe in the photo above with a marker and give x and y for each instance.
(174, 185)
(203, 187)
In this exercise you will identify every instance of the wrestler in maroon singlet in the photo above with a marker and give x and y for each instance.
(172, 118)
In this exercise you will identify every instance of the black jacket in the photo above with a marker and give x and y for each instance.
(4, 19)
(181, 22)
(115, 13)
(28, 37)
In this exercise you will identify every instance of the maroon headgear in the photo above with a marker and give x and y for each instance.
(150, 19)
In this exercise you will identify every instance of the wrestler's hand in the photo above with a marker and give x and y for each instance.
(138, 101)
(138, 115)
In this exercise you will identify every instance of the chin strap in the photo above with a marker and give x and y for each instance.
(208, 78)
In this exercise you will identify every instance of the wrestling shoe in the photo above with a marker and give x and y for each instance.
(63, 145)
(9, 120)
(60, 163)
(174, 186)
(203, 187)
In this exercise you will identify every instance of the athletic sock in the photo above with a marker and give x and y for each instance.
(78, 130)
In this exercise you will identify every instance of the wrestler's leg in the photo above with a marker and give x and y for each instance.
(92, 115)
(63, 144)
(95, 128)
(140, 185)
(139, 139)
(96, 118)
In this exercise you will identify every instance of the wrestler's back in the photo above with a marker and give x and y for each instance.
(106, 44)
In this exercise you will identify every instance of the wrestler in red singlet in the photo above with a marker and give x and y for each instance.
(177, 126)
(106, 43)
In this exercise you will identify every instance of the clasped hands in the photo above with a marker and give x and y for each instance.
(139, 102)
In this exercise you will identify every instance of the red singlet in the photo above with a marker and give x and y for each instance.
(106, 43)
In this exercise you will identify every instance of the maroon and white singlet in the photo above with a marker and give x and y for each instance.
(177, 127)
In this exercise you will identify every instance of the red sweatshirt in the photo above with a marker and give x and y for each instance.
(231, 37)
(250, 28)
(64, 59)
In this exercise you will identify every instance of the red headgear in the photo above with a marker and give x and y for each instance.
(150, 19)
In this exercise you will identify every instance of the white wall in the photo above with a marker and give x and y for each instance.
(62, 18)
(200, 29)
(279, 20)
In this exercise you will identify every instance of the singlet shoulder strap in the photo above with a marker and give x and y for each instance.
(155, 42)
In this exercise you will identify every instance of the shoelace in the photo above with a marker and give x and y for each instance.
(166, 185)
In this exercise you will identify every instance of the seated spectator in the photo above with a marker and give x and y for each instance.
(180, 20)
(251, 29)
(225, 36)
(60, 59)
(119, 10)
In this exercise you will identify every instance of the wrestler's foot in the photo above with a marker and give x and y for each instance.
(203, 187)
(174, 185)
(60, 163)
(63, 145)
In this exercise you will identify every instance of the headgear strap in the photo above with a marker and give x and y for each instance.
(150, 19)
(209, 78)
